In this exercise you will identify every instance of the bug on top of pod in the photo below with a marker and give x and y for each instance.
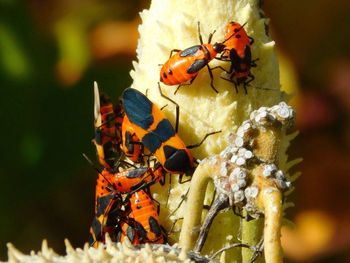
(238, 52)
(185, 65)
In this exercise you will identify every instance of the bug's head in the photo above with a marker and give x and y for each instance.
(219, 47)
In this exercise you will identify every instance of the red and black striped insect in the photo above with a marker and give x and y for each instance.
(146, 219)
(156, 132)
(128, 180)
(143, 225)
(114, 136)
(108, 214)
(107, 138)
(238, 52)
(185, 64)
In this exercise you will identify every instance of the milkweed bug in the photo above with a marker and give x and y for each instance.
(131, 180)
(145, 214)
(185, 64)
(238, 51)
(106, 139)
(106, 219)
(156, 132)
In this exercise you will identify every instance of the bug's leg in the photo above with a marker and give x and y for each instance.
(204, 138)
(183, 181)
(220, 67)
(253, 64)
(172, 51)
(211, 79)
(177, 116)
(183, 198)
(258, 250)
(232, 81)
(246, 82)
(162, 108)
(199, 33)
(211, 36)
(173, 225)
(185, 84)
(168, 192)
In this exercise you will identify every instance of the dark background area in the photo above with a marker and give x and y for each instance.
(52, 51)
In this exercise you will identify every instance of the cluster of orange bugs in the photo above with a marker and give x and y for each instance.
(135, 132)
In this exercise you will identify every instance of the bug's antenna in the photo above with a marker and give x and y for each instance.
(235, 33)
(95, 167)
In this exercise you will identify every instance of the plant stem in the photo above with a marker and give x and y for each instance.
(252, 232)
(271, 199)
(194, 206)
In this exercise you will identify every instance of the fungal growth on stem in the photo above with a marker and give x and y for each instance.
(246, 177)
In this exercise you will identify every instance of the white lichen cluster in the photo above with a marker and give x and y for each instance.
(111, 252)
(239, 159)
(248, 173)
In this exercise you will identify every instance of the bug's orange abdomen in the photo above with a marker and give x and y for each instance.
(174, 71)
(144, 212)
(237, 39)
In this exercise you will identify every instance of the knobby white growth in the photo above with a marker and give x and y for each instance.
(247, 174)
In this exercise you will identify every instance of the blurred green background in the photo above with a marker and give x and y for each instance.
(52, 51)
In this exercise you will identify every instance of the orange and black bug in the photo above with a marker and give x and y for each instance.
(146, 221)
(142, 225)
(156, 132)
(185, 64)
(106, 139)
(131, 180)
(107, 217)
(238, 51)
